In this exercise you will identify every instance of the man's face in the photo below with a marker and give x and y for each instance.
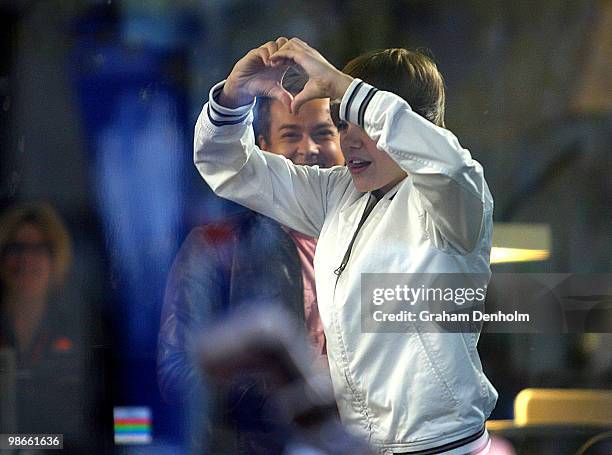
(372, 169)
(309, 137)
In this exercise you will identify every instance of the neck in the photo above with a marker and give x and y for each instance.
(379, 193)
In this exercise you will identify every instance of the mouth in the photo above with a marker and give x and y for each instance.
(357, 166)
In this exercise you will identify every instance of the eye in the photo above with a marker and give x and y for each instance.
(326, 133)
(291, 136)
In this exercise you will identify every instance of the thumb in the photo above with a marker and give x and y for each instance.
(282, 95)
(309, 92)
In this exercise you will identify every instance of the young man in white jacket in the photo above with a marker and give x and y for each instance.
(410, 200)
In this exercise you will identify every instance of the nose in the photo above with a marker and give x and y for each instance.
(308, 150)
(350, 138)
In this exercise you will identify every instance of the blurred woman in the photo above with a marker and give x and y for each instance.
(35, 257)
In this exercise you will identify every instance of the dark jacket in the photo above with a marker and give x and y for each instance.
(51, 388)
(220, 267)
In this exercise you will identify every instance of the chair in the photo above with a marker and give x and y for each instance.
(563, 407)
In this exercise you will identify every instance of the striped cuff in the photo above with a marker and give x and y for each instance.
(221, 115)
(476, 444)
(355, 102)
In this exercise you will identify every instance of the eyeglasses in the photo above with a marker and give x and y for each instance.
(18, 248)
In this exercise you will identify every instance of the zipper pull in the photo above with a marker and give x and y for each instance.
(340, 269)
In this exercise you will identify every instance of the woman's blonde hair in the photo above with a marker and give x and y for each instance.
(43, 216)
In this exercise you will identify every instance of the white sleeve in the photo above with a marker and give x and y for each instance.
(451, 185)
(227, 158)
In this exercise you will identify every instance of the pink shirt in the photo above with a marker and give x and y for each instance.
(306, 249)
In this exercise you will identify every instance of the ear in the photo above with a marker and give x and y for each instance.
(263, 144)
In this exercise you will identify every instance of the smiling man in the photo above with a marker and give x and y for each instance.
(308, 137)
(245, 260)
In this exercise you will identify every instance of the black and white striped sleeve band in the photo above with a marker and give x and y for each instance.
(355, 102)
(221, 115)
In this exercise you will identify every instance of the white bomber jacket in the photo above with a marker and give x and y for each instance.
(407, 392)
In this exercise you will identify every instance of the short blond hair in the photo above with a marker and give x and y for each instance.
(43, 216)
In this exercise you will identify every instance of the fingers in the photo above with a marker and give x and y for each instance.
(283, 61)
(309, 92)
(259, 54)
(282, 95)
(293, 51)
(296, 43)
(296, 104)
(264, 66)
(286, 56)
(268, 49)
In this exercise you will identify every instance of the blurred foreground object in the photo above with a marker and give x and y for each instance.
(264, 343)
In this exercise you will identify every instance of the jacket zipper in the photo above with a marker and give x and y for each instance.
(347, 254)
(338, 272)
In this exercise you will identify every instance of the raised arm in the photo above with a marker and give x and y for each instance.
(450, 184)
(235, 168)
